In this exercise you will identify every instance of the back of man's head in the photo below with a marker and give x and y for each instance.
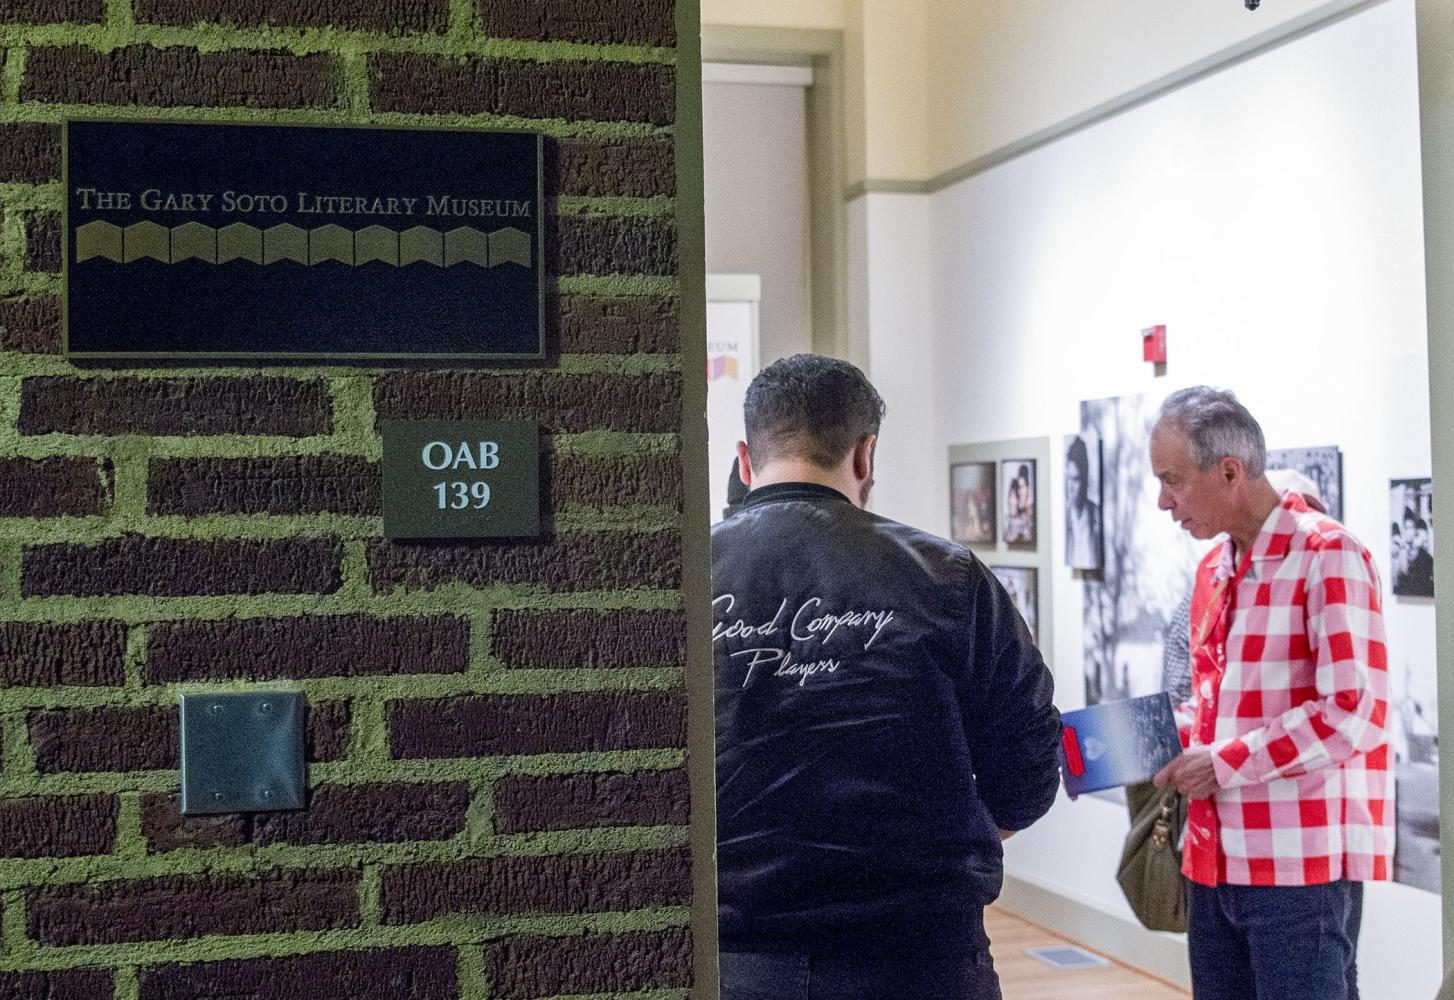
(810, 407)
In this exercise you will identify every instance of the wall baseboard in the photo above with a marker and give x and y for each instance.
(1160, 955)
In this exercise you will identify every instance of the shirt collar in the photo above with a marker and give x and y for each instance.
(1274, 539)
(792, 491)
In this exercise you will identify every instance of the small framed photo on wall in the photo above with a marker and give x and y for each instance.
(972, 503)
(1023, 584)
(1084, 536)
(1411, 541)
(1017, 488)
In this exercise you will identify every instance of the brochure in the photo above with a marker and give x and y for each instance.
(1118, 743)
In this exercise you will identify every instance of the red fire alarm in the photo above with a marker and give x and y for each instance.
(1153, 344)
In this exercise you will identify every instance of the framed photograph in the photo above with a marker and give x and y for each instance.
(1411, 536)
(1017, 489)
(972, 503)
(1084, 526)
(1324, 466)
(1023, 584)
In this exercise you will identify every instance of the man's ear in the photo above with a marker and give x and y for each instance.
(863, 458)
(1233, 469)
(744, 464)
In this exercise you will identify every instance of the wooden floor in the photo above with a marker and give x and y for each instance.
(1026, 978)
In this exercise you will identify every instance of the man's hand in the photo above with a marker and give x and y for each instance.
(1192, 774)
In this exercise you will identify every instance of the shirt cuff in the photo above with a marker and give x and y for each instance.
(1230, 760)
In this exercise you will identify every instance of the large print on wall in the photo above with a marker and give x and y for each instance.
(1413, 682)
(1324, 466)
(1148, 561)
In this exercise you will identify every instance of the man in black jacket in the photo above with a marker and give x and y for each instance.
(883, 719)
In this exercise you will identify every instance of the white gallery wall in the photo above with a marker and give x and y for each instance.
(1270, 215)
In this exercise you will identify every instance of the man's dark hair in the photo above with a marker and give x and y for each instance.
(810, 406)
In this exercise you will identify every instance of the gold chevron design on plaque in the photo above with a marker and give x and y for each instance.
(421, 244)
(194, 240)
(98, 239)
(146, 239)
(330, 242)
(509, 246)
(376, 243)
(465, 244)
(239, 241)
(285, 242)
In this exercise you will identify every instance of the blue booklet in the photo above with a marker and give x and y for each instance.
(1118, 743)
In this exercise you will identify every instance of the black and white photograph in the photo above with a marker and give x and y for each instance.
(1022, 583)
(1148, 561)
(1416, 775)
(1084, 525)
(972, 503)
(1017, 486)
(1411, 536)
(1324, 466)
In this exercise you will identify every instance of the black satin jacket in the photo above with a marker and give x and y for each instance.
(881, 713)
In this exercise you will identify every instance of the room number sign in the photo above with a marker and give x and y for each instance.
(461, 479)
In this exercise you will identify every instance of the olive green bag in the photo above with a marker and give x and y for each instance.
(1150, 869)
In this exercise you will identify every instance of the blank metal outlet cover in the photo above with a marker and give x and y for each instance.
(242, 752)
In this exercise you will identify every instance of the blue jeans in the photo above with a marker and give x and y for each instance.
(1274, 942)
(858, 975)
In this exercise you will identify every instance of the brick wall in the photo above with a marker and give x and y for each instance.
(499, 798)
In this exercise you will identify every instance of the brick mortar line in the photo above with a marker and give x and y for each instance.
(15, 749)
(19, 196)
(525, 682)
(421, 771)
(354, 571)
(353, 532)
(13, 941)
(446, 599)
(127, 983)
(131, 466)
(480, 816)
(12, 250)
(25, 283)
(371, 895)
(349, 380)
(558, 127)
(470, 976)
(16, 365)
(9, 573)
(13, 75)
(462, 28)
(209, 37)
(130, 845)
(352, 398)
(369, 740)
(582, 444)
(120, 18)
(250, 860)
(134, 662)
(455, 930)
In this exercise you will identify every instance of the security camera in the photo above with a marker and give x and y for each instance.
(1252, 4)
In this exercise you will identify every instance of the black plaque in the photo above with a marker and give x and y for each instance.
(189, 240)
(461, 479)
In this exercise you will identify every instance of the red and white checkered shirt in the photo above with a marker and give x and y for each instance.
(1297, 720)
